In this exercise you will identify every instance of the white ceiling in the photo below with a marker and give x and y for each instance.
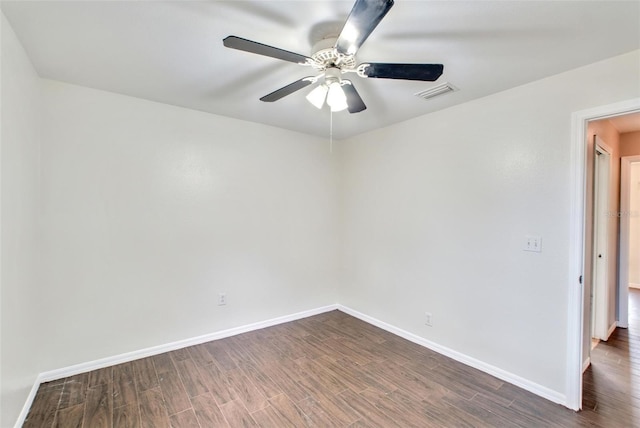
(172, 52)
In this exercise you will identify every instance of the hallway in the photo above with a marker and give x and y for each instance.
(611, 391)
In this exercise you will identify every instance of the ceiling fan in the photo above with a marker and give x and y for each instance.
(334, 56)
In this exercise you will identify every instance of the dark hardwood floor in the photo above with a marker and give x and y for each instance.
(611, 392)
(330, 370)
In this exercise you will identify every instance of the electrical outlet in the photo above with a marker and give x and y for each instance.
(222, 299)
(428, 319)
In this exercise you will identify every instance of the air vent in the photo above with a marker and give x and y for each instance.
(434, 91)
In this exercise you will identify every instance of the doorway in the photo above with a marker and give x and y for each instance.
(578, 294)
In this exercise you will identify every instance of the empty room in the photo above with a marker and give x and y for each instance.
(319, 213)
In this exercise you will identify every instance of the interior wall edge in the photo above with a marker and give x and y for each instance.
(20, 144)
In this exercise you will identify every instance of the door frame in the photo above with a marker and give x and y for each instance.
(577, 212)
(625, 213)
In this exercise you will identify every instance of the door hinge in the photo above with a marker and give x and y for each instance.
(580, 279)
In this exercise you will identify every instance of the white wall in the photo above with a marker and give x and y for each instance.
(150, 211)
(634, 225)
(437, 210)
(19, 201)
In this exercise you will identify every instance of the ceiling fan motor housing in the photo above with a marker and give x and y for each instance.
(331, 75)
(325, 56)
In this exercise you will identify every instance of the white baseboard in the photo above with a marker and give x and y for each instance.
(155, 350)
(504, 375)
(27, 404)
(612, 328)
(501, 374)
(586, 364)
(634, 285)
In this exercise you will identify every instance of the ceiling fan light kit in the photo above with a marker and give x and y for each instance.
(318, 95)
(329, 91)
(334, 56)
(336, 99)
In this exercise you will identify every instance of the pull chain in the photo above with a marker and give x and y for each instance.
(331, 132)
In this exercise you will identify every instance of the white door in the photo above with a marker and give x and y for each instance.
(601, 215)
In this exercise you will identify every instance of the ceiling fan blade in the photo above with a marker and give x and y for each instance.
(363, 19)
(381, 70)
(241, 44)
(288, 90)
(354, 102)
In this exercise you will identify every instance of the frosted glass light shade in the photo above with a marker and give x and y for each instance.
(336, 98)
(317, 96)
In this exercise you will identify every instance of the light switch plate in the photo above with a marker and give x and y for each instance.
(533, 243)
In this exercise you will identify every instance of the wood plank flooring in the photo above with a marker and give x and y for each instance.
(330, 370)
(611, 391)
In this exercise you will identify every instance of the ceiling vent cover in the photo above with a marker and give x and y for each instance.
(443, 88)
